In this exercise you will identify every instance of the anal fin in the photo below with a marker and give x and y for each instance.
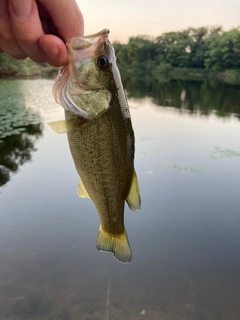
(81, 190)
(133, 198)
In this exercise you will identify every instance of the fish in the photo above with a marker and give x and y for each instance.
(100, 136)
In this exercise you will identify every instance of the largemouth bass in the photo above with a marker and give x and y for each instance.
(100, 136)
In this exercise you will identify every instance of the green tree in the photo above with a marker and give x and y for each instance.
(173, 48)
(224, 51)
(197, 47)
(138, 56)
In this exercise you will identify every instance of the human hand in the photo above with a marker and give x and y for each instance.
(38, 29)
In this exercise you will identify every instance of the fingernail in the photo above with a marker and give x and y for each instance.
(22, 8)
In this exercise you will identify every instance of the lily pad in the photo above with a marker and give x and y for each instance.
(185, 169)
(218, 153)
(20, 127)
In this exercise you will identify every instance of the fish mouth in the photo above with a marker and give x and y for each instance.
(83, 51)
(102, 32)
(83, 43)
(86, 47)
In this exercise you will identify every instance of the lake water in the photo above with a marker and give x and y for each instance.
(185, 240)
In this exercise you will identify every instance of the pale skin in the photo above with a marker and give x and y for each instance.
(38, 29)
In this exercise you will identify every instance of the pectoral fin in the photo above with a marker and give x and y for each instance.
(82, 192)
(133, 198)
(63, 126)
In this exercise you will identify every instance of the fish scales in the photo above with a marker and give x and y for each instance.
(100, 136)
(107, 178)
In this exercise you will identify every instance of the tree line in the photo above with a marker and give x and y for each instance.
(204, 49)
(194, 53)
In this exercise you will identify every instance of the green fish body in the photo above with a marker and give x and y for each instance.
(100, 136)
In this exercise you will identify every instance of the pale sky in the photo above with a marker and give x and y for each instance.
(127, 18)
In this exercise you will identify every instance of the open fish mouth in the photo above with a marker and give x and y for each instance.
(81, 43)
(84, 47)
(74, 88)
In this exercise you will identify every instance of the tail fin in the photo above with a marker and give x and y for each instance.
(118, 245)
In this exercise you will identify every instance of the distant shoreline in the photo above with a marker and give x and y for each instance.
(27, 69)
(231, 77)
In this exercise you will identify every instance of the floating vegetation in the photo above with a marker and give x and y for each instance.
(218, 153)
(14, 117)
(185, 169)
(19, 129)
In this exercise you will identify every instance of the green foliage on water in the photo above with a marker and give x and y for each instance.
(219, 153)
(14, 116)
(19, 129)
(183, 169)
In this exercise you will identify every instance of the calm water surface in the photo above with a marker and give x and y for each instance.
(185, 240)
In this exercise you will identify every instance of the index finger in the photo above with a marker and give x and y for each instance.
(26, 27)
(66, 16)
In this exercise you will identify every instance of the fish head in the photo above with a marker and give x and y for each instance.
(90, 57)
(84, 86)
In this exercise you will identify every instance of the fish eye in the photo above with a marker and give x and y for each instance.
(102, 62)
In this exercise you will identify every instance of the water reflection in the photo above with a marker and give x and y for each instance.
(19, 129)
(189, 96)
(185, 240)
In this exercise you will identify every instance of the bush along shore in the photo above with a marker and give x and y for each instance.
(206, 53)
(20, 69)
